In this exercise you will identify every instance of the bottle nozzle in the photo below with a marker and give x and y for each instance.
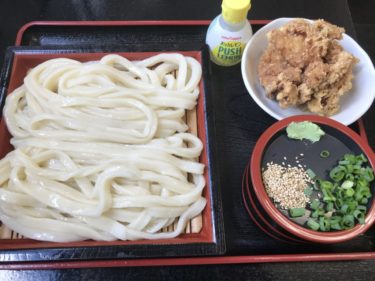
(235, 11)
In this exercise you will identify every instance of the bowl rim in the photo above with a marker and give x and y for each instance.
(270, 208)
(276, 115)
(246, 194)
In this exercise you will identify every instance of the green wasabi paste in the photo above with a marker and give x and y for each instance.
(304, 130)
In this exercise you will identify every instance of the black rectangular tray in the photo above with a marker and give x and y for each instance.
(237, 120)
(210, 241)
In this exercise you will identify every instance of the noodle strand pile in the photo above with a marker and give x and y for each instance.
(102, 150)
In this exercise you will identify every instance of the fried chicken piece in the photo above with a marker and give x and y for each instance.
(287, 94)
(305, 65)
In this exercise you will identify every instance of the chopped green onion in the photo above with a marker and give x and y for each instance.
(368, 174)
(360, 216)
(337, 173)
(344, 208)
(307, 191)
(350, 157)
(310, 173)
(324, 154)
(314, 204)
(345, 195)
(349, 192)
(347, 221)
(349, 177)
(297, 212)
(313, 224)
(326, 184)
(352, 204)
(361, 157)
(328, 197)
(336, 226)
(347, 184)
(329, 207)
(317, 213)
(362, 208)
(324, 224)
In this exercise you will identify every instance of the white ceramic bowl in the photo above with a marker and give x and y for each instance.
(353, 104)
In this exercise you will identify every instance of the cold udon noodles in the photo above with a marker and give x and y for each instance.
(101, 150)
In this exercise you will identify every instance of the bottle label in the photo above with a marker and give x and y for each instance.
(228, 53)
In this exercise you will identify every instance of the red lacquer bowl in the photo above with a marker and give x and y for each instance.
(274, 145)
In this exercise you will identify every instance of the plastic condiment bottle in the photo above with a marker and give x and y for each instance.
(229, 32)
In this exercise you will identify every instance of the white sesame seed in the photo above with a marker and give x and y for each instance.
(286, 185)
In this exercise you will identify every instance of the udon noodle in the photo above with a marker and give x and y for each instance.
(101, 150)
